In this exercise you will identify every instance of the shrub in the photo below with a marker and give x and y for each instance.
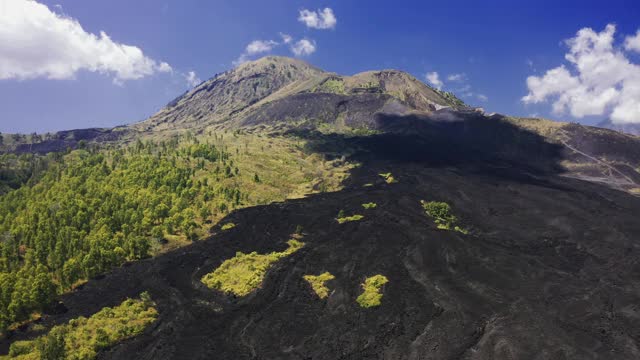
(388, 178)
(441, 214)
(370, 205)
(356, 217)
(317, 282)
(244, 273)
(227, 226)
(371, 294)
(82, 338)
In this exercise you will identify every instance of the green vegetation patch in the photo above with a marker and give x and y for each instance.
(370, 205)
(388, 177)
(334, 86)
(441, 214)
(317, 282)
(82, 338)
(345, 219)
(244, 273)
(371, 294)
(227, 226)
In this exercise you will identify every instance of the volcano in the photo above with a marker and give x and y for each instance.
(499, 237)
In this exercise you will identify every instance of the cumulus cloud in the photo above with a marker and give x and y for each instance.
(482, 97)
(599, 79)
(260, 46)
(192, 79)
(304, 47)
(632, 43)
(434, 79)
(254, 48)
(321, 19)
(36, 42)
(286, 38)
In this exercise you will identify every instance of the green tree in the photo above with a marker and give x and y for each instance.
(52, 347)
(43, 289)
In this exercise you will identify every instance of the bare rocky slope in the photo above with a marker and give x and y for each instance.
(281, 85)
(549, 268)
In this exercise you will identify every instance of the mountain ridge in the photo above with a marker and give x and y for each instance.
(257, 83)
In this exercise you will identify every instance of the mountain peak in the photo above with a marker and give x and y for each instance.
(231, 97)
(272, 62)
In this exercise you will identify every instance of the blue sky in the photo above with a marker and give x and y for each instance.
(493, 47)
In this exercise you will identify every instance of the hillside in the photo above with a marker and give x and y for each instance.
(631, 128)
(276, 85)
(280, 211)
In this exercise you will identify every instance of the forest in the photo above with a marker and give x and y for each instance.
(67, 217)
(92, 210)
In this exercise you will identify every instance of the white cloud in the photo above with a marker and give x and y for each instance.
(434, 79)
(192, 79)
(286, 38)
(260, 46)
(254, 48)
(632, 43)
(321, 19)
(457, 77)
(482, 97)
(601, 80)
(304, 47)
(36, 42)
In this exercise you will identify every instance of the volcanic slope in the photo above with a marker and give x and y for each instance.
(542, 265)
(279, 88)
(549, 267)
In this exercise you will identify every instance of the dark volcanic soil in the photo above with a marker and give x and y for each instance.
(547, 273)
(550, 270)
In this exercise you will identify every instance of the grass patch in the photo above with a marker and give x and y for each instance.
(82, 338)
(388, 177)
(244, 273)
(345, 219)
(317, 282)
(441, 214)
(371, 294)
(334, 86)
(370, 205)
(227, 226)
